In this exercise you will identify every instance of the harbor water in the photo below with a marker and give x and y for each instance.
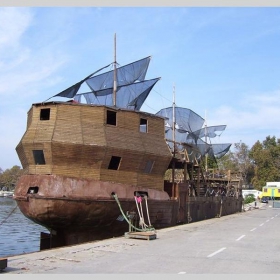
(18, 235)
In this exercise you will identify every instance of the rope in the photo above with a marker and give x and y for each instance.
(142, 222)
(138, 229)
(140, 213)
(146, 200)
(8, 216)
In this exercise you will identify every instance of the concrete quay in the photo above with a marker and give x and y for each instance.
(170, 252)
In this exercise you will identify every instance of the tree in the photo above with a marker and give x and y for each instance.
(238, 161)
(9, 177)
(243, 161)
(266, 159)
(1, 183)
(227, 162)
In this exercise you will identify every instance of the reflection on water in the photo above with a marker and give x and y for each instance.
(18, 235)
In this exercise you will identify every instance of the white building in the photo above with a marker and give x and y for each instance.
(256, 193)
(273, 184)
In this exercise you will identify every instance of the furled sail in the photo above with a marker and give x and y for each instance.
(127, 74)
(128, 96)
(207, 131)
(189, 131)
(185, 120)
(212, 150)
(219, 150)
(72, 91)
(132, 88)
(202, 146)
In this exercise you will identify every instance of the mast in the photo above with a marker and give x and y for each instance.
(174, 145)
(115, 73)
(174, 120)
(206, 154)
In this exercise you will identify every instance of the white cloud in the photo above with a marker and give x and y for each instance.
(250, 119)
(216, 58)
(13, 24)
(24, 68)
(25, 71)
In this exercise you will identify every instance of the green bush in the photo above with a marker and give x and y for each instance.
(249, 198)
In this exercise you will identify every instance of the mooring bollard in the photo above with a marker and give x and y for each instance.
(3, 263)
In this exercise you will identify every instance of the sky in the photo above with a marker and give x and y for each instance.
(221, 62)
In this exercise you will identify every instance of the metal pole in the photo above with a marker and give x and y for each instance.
(173, 162)
(115, 73)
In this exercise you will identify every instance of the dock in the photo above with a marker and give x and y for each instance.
(193, 248)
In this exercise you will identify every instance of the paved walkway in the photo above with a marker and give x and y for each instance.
(113, 255)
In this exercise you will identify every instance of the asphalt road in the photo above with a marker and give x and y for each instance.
(243, 243)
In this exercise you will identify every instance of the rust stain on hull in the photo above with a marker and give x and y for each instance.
(86, 209)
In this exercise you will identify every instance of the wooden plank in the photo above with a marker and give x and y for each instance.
(148, 235)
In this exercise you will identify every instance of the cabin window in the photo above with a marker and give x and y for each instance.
(111, 118)
(278, 190)
(143, 125)
(45, 114)
(264, 190)
(39, 157)
(33, 189)
(114, 163)
(149, 166)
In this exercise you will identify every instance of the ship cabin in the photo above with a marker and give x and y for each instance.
(95, 142)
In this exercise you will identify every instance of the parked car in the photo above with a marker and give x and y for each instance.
(264, 200)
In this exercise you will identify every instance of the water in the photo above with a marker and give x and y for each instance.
(18, 235)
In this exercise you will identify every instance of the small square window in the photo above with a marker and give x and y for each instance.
(149, 166)
(114, 163)
(111, 118)
(265, 190)
(45, 114)
(39, 157)
(143, 125)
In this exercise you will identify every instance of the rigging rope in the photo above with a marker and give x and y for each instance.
(146, 200)
(8, 216)
(138, 200)
(125, 217)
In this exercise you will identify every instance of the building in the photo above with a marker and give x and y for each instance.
(271, 190)
(257, 194)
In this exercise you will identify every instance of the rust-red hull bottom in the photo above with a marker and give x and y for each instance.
(79, 210)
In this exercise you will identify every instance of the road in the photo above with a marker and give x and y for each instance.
(243, 243)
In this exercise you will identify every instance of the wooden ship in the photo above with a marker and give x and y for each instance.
(95, 166)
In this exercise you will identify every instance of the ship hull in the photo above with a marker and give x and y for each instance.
(80, 210)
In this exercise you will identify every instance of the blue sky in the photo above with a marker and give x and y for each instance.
(223, 61)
